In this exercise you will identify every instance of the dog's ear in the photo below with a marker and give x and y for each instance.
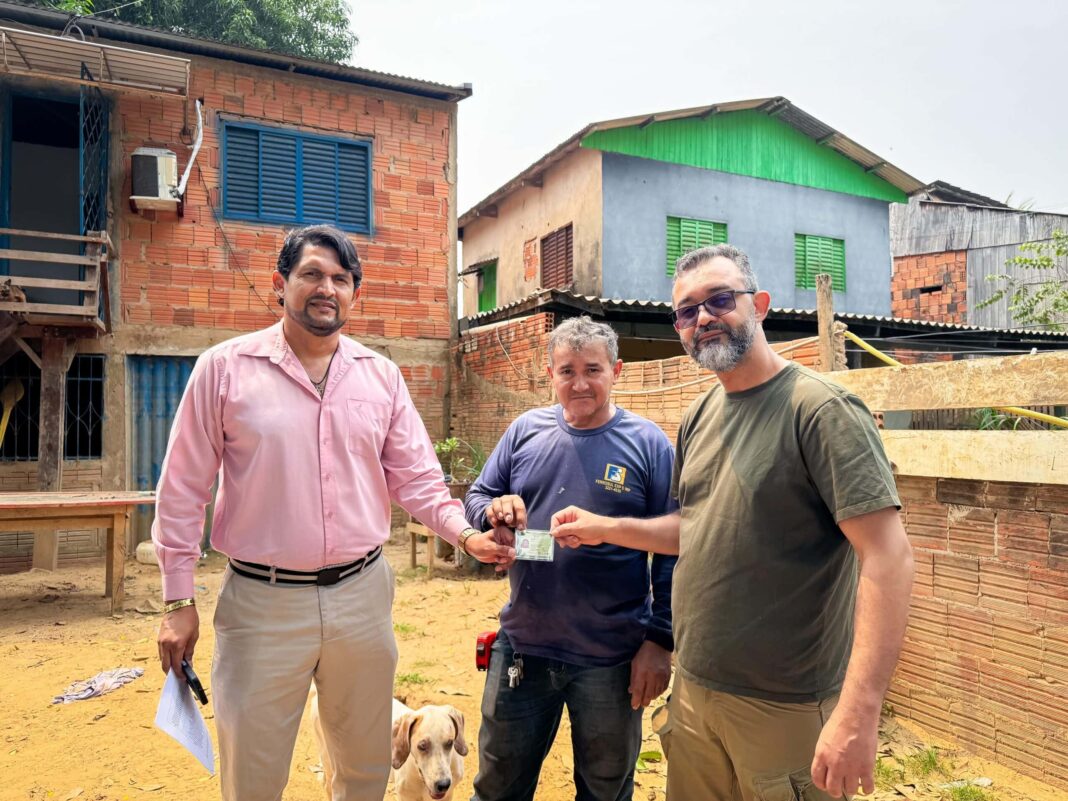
(459, 743)
(402, 739)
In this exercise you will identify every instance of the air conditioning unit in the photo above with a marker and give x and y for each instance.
(154, 174)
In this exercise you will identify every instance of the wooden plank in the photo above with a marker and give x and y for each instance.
(44, 255)
(45, 549)
(30, 501)
(65, 523)
(53, 283)
(48, 308)
(34, 356)
(1027, 457)
(430, 555)
(116, 562)
(1038, 380)
(50, 235)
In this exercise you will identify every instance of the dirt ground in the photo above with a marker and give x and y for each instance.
(54, 630)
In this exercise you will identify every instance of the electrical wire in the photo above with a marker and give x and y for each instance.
(233, 253)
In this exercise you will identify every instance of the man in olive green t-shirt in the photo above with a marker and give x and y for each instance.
(784, 650)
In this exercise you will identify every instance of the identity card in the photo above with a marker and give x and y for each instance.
(534, 544)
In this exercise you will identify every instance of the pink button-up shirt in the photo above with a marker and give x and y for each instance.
(306, 482)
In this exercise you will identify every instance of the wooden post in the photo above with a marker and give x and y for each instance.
(56, 355)
(116, 561)
(825, 321)
(45, 549)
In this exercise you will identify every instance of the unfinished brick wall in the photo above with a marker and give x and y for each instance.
(933, 286)
(210, 273)
(179, 271)
(985, 661)
(687, 380)
(502, 374)
(16, 548)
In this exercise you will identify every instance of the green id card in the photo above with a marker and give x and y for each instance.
(534, 545)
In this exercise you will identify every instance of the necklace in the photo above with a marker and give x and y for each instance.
(320, 385)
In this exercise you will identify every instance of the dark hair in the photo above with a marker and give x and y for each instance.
(326, 236)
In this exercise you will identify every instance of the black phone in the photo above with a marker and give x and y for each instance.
(194, 683)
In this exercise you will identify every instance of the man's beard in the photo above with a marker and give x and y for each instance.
(318, 327)
(722, 354)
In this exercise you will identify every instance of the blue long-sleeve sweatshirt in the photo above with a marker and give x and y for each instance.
(591, 606)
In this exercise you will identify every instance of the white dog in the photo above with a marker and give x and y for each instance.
(428, 752)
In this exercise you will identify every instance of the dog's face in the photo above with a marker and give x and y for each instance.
(429, 736)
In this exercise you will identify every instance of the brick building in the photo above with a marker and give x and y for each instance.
(947, 242)
(285, 141)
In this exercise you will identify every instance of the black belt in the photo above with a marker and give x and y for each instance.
(322, 578)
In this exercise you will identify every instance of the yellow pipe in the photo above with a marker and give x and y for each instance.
(878, 354)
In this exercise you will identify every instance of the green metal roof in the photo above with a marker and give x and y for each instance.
(788, 144)
(746, 143)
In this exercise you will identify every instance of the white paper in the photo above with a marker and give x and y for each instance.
(179, 716)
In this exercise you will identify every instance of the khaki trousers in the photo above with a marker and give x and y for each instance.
(271, 643)
(723, 747)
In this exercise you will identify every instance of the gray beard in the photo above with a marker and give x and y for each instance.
(723, 355)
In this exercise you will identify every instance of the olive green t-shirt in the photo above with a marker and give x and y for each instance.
(765, 585)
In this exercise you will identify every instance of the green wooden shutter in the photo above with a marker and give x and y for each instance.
(487, 294)
(684, 235)
(819, 254)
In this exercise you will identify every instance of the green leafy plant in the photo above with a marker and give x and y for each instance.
(460, 460)
(988, 419)
(1032, 302)
(82, 8)
(411, 678)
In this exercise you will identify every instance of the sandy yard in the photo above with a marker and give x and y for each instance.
(54, 629)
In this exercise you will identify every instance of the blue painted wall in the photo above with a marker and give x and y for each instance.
(762, 218)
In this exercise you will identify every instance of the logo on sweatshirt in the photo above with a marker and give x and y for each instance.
(615, 478)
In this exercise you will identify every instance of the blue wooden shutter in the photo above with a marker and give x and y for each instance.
(241, 177)
(354, 187)
(319, 181)
(278, 176)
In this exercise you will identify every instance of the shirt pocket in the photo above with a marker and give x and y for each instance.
(368, 424)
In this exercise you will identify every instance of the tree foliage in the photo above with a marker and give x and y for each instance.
(317, 29)
(1045, 301)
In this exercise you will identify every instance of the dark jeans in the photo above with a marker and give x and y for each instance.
(519, 726)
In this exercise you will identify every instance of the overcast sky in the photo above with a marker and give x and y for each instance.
(967, 91)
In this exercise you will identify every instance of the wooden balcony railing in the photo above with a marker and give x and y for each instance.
(88, 275)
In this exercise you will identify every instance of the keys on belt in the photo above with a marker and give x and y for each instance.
(515, 671)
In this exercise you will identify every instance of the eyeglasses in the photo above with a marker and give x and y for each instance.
(717, 305)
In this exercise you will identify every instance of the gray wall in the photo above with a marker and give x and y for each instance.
(762, 218)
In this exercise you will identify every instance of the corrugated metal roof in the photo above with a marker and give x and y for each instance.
(547, 297)
(42, 55)
(778, 107)
(139, 34)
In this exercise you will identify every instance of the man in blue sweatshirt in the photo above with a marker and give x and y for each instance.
(591, 629)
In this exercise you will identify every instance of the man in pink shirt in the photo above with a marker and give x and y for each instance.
(314, 435)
